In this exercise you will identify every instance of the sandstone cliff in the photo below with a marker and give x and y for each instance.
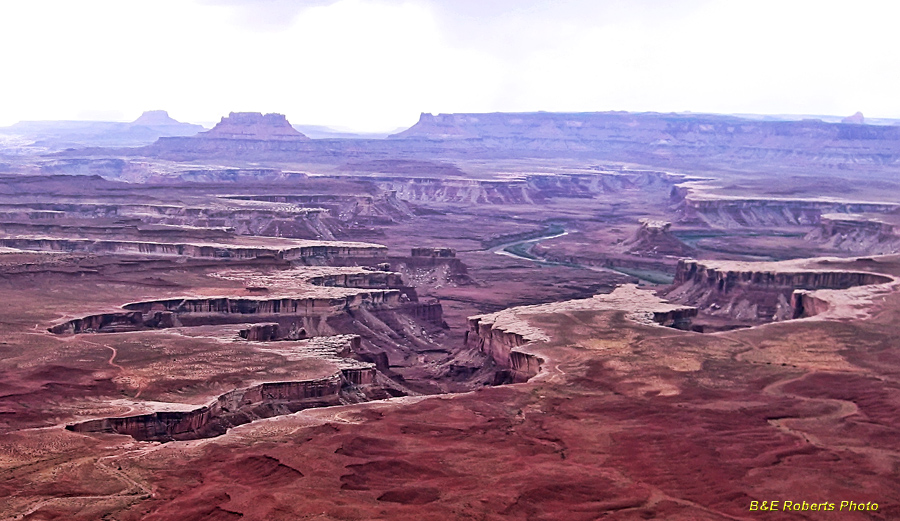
(297, 250)
(732, 212)
(508, 338)
(757, 291)
(866, 234)
(253, 126)
(655, 239)
(349, 382)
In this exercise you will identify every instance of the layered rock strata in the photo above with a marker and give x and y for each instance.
(307, 297)
(305, 312)
(117, 322)
(261, 332)
(298, 250)
(760, 291)
(506, 336)
(384, 208)
(858, 233)
(654, 239)
(529, 188)
(262, 400)
(733, 212)
(254, 126)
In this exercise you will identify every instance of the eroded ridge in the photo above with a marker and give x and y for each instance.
(293, 315)
(342, 380)
(282, 249)
(506, 335)
(298, 298)
(758, 292)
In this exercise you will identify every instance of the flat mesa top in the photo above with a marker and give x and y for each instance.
(627, 297)
(243, 242)
(817, 264)
(712, 196)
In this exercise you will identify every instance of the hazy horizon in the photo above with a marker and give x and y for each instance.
(338, 128)
(374, 66)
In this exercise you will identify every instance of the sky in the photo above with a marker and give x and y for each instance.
(375, 65)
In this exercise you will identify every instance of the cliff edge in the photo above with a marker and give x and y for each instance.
(254, 126)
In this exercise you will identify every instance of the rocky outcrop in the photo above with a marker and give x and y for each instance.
(117, 322)
(303, 313)
(431, 312)
(856, 233)
(361, 279)
(808, 304)
(726, 276)
(308, 299)
(352, 381)
(267, 332)
(322, 216)
(654, 239)
(269, 306)
(500, 345)
(384, 208)
(253, 126)
(728, 213)
(428, 271)
(508, 338)
(231, 409)
(757, 292)
(298, 250)
(530, 188)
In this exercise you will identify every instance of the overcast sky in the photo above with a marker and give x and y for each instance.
(376, 64)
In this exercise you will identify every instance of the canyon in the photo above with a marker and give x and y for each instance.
(485, 316)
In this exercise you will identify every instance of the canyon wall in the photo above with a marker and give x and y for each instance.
(313, 250)
(529, 188)
(858, 234)
(500, 344)
(808, 304)
(117, 322)
(231, 409)
(509, 340)
(756, 292)
(161, 314)
(351, 381)
(729, 213)
(384, 208)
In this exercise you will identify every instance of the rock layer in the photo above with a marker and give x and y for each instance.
(757, 291)
(304, 250)
(728, 212)
(506, 335)
(262, 400)
(253, 126)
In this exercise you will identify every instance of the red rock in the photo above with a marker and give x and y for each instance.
(254, 126)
